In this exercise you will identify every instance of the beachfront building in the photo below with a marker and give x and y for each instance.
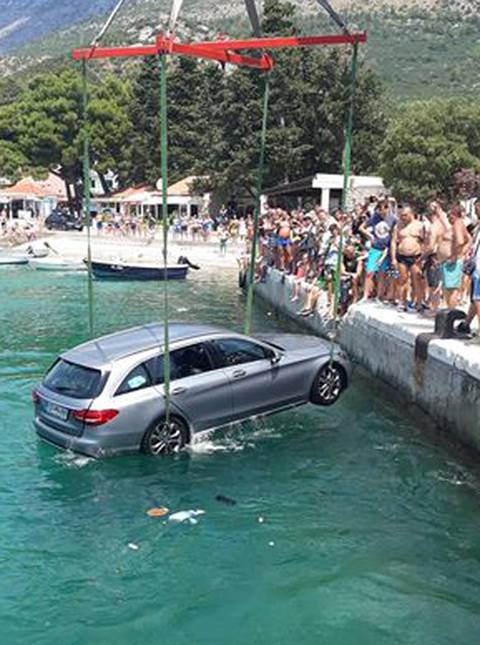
(324, 189)
(30, 198)
(144, 200)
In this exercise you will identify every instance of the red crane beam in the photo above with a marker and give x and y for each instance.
(171, 47)
(283, 42)
(113, 52)
(222, 51)
(223, 55)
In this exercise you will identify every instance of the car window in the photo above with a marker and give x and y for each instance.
(189, 361)
(138, 379)
(73, 380)
(184, 362)
(236, 351)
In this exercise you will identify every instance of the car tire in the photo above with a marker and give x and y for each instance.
(161, 440)
(328, 385)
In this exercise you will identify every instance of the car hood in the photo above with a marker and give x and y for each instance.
(293, 342)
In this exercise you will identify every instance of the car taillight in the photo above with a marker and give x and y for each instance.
(94, 417)
(35, 396)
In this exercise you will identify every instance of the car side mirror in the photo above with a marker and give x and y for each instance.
(275, 358)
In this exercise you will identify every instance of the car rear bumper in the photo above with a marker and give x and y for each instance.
(96, 447)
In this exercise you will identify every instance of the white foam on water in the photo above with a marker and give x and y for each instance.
(387, 447)
(208, 447)
(263, 432)
(72, 460)
(456, 479)
(235, 438)
(205, 443)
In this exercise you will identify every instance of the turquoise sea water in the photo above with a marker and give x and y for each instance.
(370, 531)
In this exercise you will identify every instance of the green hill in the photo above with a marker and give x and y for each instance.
(421, 48)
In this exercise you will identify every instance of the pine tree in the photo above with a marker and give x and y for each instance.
(144, 115)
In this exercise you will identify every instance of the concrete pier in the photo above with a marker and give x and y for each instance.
(446, 385)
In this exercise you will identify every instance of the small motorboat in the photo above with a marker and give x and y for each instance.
(103, 270)
(13, 258)
(56, 264)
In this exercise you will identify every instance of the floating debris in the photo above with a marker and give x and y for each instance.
(271, 543)
(261, 520)
(225, 500)
(158, 511)
(133, 546)
(186, 516)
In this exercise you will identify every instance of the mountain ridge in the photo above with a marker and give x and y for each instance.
(419, 47)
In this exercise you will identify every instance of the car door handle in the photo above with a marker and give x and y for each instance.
(239, 373)
(179, 390)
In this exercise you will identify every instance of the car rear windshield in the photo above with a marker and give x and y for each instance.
(73, 380)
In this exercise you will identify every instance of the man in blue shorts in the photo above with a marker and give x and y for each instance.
(378, 230)
(474, 310)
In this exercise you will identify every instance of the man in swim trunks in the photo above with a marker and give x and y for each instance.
(474, 310)
(408, 241)
(454, 246)
(437, 227)
(378, 230)
(284, 233)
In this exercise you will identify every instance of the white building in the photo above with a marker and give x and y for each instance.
(330, 189)
(324, 189)
(181, 198)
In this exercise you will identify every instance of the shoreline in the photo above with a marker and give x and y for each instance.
(73, 246)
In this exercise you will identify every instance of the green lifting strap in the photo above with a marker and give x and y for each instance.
(164, 168)
(87, 195)
(261, 168)
(346, 185)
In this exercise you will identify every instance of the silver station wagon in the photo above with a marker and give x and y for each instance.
(106, 397)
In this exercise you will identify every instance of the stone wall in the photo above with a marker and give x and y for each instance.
(446, 385)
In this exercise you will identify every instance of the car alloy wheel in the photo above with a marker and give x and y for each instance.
(330, 383)
(166, 438)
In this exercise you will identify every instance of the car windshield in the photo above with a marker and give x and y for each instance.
(73, 380)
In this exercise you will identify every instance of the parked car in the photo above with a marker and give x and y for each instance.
(59, 220)
(107, 396)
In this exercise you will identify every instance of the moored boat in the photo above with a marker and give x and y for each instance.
(56, 264)
(13, 258)
(128, 271)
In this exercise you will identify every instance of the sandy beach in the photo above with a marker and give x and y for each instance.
(73, 246)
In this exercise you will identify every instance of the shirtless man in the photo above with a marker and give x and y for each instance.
(408, 240)
(437, 228)
(284, 240)
(474, 310)
(452, 250)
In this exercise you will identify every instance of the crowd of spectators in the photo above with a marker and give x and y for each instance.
(14, 232)
(416, 261)
(196, 227)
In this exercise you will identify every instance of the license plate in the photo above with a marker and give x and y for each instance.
(56, 411)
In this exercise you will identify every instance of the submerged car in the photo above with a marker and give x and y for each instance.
(107, 397)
